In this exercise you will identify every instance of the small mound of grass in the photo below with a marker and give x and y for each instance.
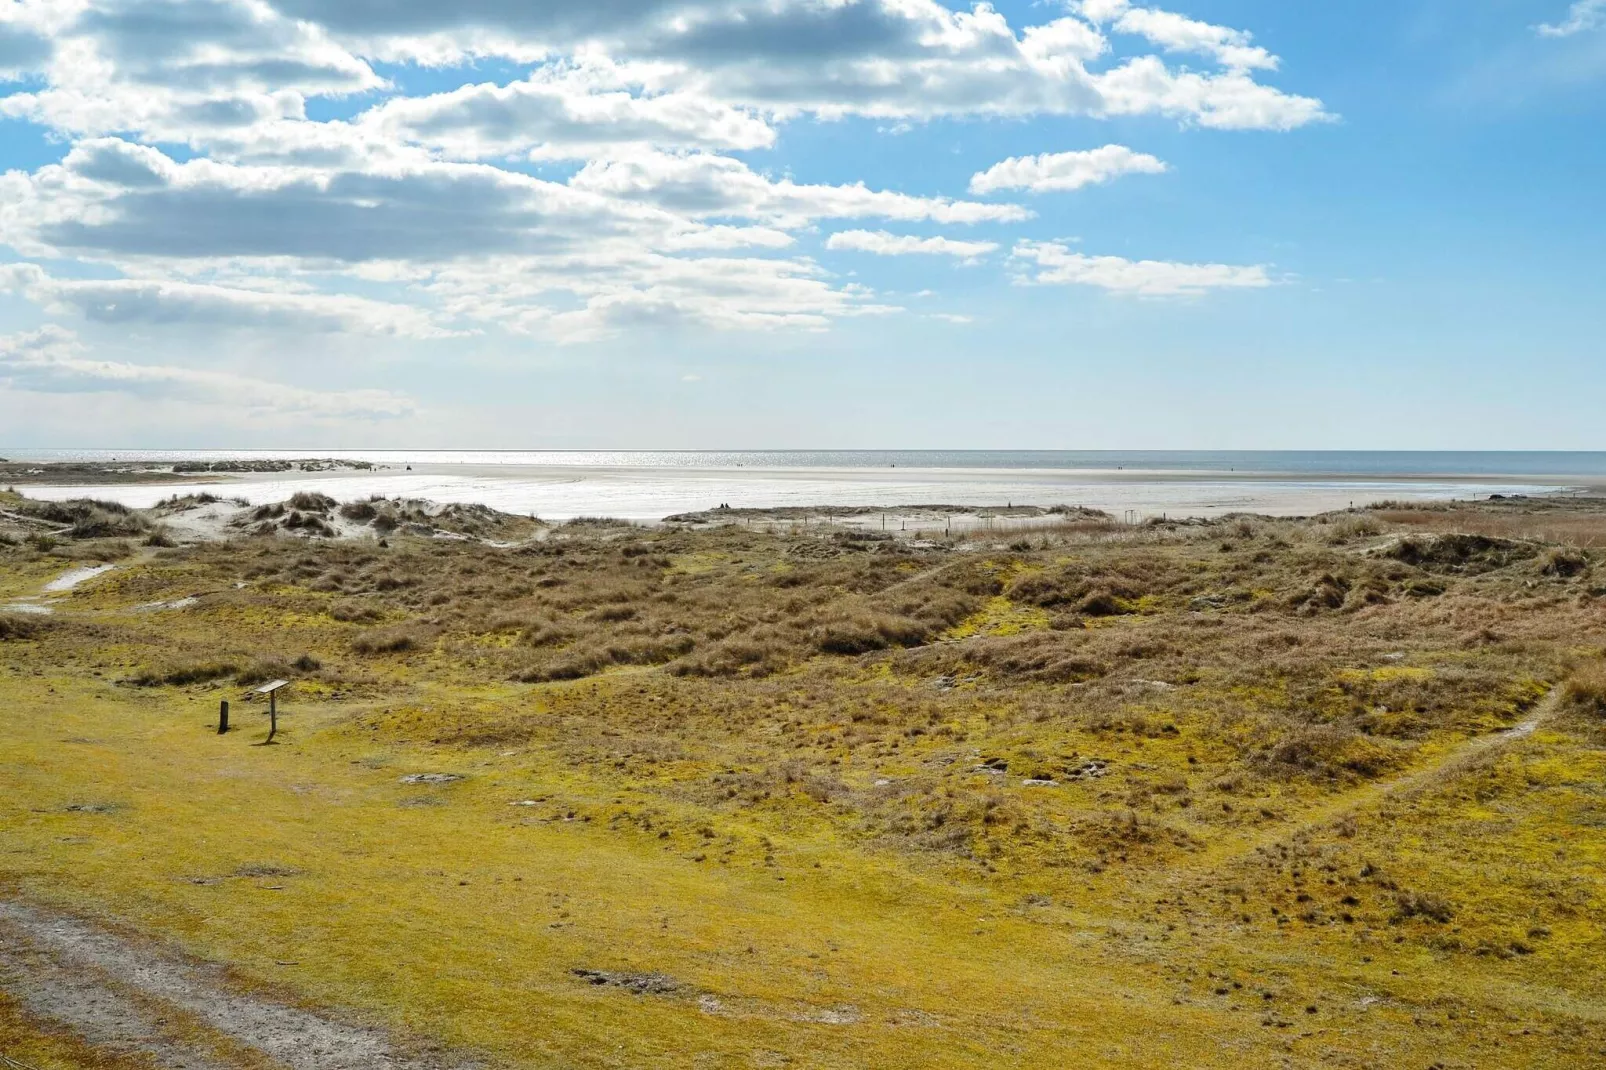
(185, 673)
(16, 626)
(1586, 689)
(398, 640)
(311, 502)
(1459, 552)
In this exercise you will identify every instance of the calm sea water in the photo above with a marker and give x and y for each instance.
(649, 485)
(1378, 463)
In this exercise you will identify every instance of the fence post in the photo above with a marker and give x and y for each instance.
(222, 717)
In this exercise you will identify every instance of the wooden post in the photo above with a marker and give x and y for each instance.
(222, 717)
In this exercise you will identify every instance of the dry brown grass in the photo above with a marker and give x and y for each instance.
(1585, 690)
(1576, 522)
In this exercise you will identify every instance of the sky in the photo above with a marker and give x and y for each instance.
(661, 224)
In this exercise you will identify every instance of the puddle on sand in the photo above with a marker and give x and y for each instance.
(73, 577)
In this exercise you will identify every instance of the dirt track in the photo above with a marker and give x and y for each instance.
(138, 999)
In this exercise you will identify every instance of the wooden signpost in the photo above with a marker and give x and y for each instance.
(271, 689)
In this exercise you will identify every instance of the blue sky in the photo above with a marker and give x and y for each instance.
(803, 223)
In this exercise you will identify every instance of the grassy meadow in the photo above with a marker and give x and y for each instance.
(598, 795)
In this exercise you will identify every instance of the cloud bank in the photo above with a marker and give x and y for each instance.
(293, 168)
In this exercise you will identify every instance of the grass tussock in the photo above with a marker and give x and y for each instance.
(398, 640)
(1585, 689)
(16, 627)
(186, 673)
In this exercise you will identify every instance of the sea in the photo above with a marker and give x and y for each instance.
(648, 485)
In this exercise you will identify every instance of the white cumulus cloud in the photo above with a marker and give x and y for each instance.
(881, 243)
(1582, 16)
(1064, 170)
(1178, 33)
(702, 185)
(1052, 263)
(566, 113)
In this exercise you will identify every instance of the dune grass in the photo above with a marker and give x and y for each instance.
(834, 803)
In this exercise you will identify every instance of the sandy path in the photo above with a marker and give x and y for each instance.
(185, 1016)
(90, 1004)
